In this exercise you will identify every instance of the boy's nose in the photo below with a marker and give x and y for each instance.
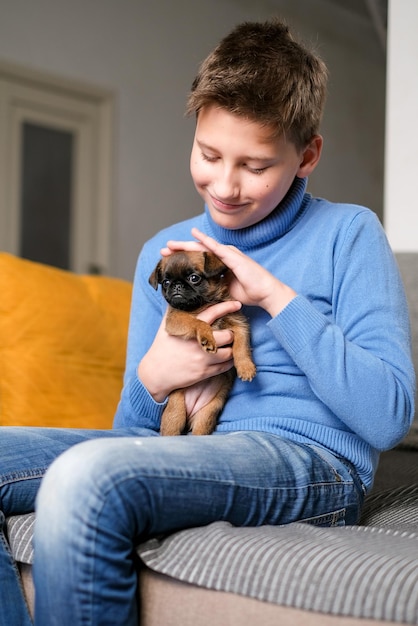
(227, 185)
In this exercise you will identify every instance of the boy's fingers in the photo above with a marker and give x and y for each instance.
(205, 243)
(210, 243)
(228, 254)
(189, 246)
(214, 312)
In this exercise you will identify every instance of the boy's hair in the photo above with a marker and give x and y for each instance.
(260, 72)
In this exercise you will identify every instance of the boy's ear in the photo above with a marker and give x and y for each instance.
(310, 156)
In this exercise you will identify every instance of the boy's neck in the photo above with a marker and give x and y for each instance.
(272, 227)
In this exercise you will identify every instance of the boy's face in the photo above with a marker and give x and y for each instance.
(239, 170)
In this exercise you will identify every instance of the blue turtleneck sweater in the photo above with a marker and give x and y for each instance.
(334, 367)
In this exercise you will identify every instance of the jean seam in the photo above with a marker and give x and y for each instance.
(335, 517)
(15, 477)
(217, 481)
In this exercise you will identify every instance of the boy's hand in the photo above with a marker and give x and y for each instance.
(173, 363)
(251, 283)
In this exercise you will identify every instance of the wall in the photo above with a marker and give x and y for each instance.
(148, 53)
(401, 215)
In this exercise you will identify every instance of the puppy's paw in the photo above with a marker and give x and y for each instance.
(246, 371)
(207, 342)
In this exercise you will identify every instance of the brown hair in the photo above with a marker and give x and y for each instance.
(260, 72)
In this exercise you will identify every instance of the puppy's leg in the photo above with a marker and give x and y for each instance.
(204, 421)
(241, 349)
(173, 419)
(186, 326)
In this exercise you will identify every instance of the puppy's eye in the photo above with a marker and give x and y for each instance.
(165, 283)
(194, 279)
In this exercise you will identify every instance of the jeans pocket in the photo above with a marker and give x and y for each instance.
(334, 518)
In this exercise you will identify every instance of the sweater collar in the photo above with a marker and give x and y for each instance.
(274, 226)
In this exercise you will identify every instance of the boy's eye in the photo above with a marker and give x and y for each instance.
(256, 170)
(206, 157)
(194, 279)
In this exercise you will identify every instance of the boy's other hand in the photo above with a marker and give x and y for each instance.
(173, 363)
(251, 284)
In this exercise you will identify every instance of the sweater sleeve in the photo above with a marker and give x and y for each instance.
(137, 408)
(358, 362)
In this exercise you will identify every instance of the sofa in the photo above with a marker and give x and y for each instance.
(62, 353)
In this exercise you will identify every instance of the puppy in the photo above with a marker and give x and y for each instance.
(192, 281)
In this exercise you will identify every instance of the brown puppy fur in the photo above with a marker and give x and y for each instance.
(192, 281)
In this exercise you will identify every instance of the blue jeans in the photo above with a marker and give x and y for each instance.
(108, 490)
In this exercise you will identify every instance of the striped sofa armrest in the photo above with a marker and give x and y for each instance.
(356, 571)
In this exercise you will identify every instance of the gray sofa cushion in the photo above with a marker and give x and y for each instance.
(394, 508)
(20, 534)
(357, 571)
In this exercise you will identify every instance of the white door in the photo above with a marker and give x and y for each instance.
(55, 170)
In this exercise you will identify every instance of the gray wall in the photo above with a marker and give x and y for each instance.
(147, 53)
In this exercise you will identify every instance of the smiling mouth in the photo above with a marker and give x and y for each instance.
(227, 206)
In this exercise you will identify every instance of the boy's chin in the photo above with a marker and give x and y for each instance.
(232, 221)
(228, 223)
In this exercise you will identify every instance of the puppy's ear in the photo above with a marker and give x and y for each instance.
(156, 277)
(213, 265)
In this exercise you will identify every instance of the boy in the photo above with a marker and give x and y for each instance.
(333, 386)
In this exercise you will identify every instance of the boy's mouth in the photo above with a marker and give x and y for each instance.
(227, 206)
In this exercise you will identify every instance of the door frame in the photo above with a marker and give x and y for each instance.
(85, 111)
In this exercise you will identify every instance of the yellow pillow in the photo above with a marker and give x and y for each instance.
(62, 345)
